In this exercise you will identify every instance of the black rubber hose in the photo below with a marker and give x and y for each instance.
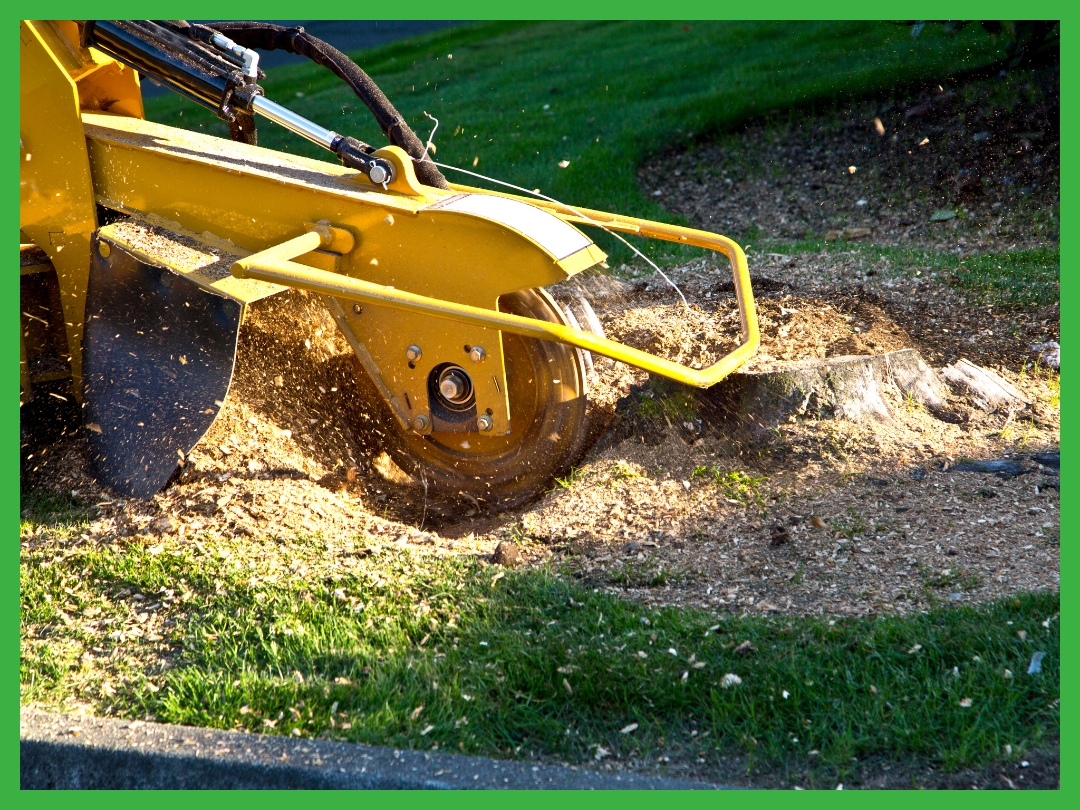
(269, 37)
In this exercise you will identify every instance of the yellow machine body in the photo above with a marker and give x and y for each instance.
(256, 197)
(57, 80)
(412, 274)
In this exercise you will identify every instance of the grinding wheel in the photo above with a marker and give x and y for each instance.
(549, 429)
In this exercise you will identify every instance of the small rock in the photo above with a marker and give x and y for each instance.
(744, 648)
(507, 554)
(1003, 468)
(244, 528)
(163, 525)
(630, 548)
(1049, 353)
(1048, 459)
(778, 535)
(817, 522)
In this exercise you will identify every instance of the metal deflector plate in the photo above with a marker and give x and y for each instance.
(158, 358)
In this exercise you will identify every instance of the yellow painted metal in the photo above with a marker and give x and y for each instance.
(405, 180)
(56, 196)
(336, 239)
(272, 265)
(257, 198)
(669, 233)
(194, 256)
(426, 276)
(102, 83)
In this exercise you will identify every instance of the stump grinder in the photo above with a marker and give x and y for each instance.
(143, 245)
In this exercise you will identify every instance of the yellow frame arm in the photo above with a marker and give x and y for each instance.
(275, 265)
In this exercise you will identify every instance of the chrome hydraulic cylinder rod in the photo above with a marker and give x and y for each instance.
(295, 123)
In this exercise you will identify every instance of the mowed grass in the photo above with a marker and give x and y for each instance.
(1017, 279)
(516, 99)
(350, 640)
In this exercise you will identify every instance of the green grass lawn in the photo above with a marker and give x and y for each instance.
(388, 646)
(1012, 279)
(518, 98)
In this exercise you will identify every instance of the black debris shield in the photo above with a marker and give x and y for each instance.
(158, 356)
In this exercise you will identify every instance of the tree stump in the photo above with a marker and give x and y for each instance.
(850, 387)
(987, 390)
(754, 403)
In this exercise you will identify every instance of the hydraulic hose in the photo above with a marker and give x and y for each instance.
(268, 37)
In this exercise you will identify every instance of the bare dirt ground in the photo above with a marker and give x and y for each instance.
(829, 517)
(988, 150)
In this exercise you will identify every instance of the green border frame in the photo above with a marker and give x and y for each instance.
(560, 9)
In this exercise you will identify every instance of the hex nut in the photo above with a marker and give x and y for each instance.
(485, 422)
(413, 353)
(420, 423)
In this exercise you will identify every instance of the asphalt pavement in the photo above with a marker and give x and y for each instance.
(67, 752)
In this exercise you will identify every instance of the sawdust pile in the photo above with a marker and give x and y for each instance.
(663, 518)
(648, 316)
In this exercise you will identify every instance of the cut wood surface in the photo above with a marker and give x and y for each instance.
(850, 387)
(987, 389)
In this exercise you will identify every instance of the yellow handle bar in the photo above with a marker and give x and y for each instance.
(275, 265)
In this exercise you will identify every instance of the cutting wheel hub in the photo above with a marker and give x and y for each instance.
(454, 386)
(549, 428)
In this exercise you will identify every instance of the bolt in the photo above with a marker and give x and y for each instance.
(357, 308)
(420, 423)
(451, 387)
(477, 354)
(378, 174)
(104, 249)
(484, 422)
(413, 353)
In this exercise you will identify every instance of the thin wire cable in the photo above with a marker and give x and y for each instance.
(686, 307)
(431, 137)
